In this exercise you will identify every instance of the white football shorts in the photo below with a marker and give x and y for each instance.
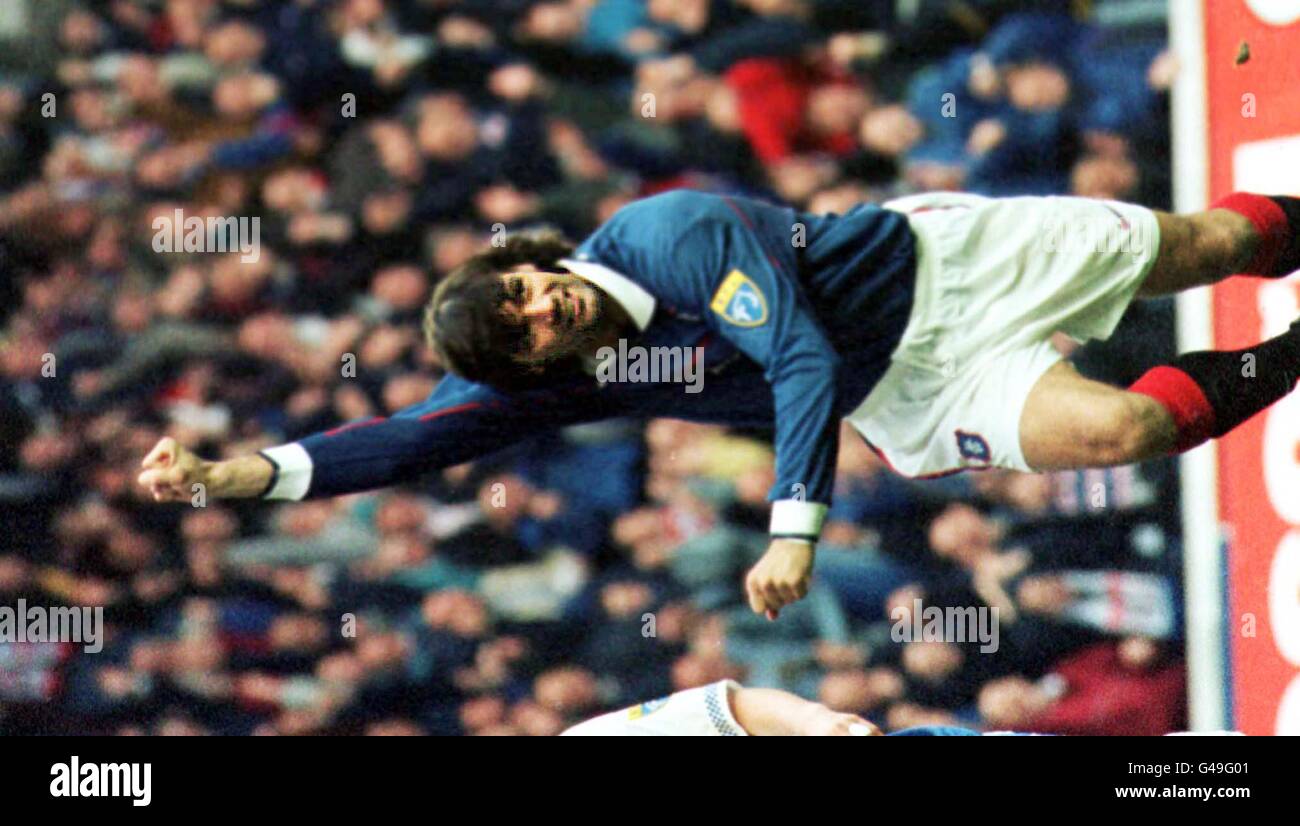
(996, 278)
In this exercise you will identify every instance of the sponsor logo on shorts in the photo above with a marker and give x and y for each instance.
(740, 301)
(973, 446)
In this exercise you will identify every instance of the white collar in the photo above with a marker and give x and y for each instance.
(631, 296)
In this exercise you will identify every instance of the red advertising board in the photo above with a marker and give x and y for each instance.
(1253, 76)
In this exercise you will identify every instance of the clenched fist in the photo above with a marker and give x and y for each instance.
(781, 577)
(171, 471)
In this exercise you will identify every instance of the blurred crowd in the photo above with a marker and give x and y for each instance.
(382, 142)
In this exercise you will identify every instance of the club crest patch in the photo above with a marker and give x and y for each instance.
(740, 301)
(973, 446)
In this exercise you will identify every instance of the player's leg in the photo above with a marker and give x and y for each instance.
(1242, 234)
(976, 304)
(1069, 421)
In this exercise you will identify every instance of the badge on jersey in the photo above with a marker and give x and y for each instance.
(740, 301)
(973, 446)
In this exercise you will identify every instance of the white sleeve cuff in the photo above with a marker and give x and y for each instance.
(796, 518)
(292, 471)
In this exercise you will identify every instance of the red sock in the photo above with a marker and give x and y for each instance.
(1183, 398)
(1277, 236)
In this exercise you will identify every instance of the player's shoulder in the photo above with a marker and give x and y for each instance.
(456, 389)
(653, 228)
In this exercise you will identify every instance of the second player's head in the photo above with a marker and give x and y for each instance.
(512, 318)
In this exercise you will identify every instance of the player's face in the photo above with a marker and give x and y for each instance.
(559, 311)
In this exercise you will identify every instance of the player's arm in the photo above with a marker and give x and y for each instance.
(459, 422)
(800, 364)
(173, 473)
(375, 454)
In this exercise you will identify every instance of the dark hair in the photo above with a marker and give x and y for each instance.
(463, 323)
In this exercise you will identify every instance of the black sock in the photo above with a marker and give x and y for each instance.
(1289, 259)
(1209, 393)
(1240, 383)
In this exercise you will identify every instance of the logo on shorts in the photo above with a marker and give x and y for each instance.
(740, 301)
(973, 446)
(648, 707)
